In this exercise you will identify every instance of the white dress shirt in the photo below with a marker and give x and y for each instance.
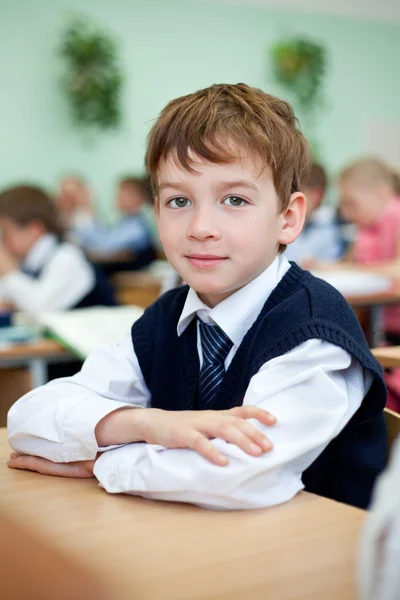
(66, 278)
(313, 391)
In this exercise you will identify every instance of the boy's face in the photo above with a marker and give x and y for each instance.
(129, 199)
(220, 225)
(17, 239)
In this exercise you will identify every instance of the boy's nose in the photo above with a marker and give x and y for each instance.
(202, 226)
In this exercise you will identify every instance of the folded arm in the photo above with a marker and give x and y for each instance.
(312, 391)
(57, 421)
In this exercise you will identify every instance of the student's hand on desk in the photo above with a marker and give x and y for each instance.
(188, 429)
(7, 262)
(81, 469)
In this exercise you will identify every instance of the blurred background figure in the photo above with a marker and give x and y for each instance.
(396, 182)
(129, 244)
(368, 200)
(74, 203)
(320, 238)
(39, 270)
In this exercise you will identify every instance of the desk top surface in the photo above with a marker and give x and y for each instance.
(382, 298)
(34, 349)
(151, 550)
(388, 356)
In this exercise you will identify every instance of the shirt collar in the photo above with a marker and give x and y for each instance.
(38, 255)
(237, 313)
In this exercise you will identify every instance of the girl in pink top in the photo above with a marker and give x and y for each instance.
(369, 201)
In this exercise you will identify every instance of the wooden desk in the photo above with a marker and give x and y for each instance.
(303, 550)
(389, 356)
(382, 298)
(136, 288)
(23, 367)
(374, 304)
(368, 306)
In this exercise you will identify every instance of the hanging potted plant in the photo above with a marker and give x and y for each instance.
(300, 66)
(92, 77)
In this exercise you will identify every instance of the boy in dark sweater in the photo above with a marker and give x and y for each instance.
(190, 392)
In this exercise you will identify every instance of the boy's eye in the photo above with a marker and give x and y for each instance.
(179, 202)
(234, 201)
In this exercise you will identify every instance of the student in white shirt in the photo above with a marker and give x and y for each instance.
(38, 270)
(247, 386)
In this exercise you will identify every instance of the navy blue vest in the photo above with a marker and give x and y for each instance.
(300, 308)
(102, 294)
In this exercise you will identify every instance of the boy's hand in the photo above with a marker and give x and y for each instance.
(188, 429)
(82, 469)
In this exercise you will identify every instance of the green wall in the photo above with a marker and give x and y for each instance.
(168, 49)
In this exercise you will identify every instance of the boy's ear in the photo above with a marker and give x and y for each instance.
(293, 218)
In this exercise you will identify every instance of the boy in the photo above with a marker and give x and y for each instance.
(320, 238)
(128, 245)
(39, 271)
(209, 363)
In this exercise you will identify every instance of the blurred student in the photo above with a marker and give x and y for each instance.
(369, 201)
(74, 203)
(39, 271)
(128, 245)
(320, 238)
(379, 558)
(396, 182)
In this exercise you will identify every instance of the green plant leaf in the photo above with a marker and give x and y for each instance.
(92, 79)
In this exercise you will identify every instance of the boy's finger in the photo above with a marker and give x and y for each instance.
(256, 436)
(233, 435)
(254, 412)
(47, 467)
(205, 448)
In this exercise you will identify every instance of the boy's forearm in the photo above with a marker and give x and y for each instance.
(122, 426)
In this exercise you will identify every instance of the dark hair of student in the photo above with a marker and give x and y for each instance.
(317, 177)
(142, 184)
(24, 204)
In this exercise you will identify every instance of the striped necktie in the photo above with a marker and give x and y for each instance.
(215, 345)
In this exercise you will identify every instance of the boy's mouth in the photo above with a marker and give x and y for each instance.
(205, 260)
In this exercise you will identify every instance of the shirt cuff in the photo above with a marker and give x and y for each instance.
(123, 471)
(79, 427)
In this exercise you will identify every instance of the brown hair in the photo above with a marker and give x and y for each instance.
(25, 203)
(368, 171)
(396, 181)
(142, 184)
(214, 122)
(317, 177)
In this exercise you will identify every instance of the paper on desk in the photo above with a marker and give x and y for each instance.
(355, 283)
(85, 329)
